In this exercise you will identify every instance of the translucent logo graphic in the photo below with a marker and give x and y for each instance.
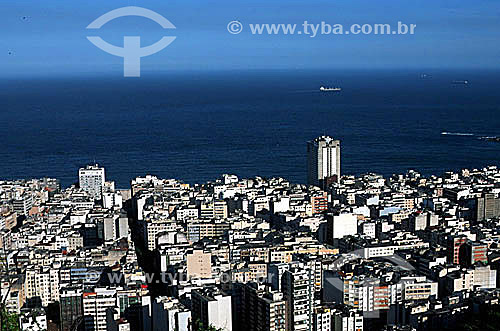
(132, 52)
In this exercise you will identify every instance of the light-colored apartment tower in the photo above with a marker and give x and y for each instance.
(91, 179)
(95, 306)
(211, 307)
(323, 161)
(298, 290)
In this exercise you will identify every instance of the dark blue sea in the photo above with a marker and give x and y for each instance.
(195, 126)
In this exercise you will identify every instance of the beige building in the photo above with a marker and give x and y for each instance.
(220, 209)
(8, 220)
(199, 264)
(282, 256)
(75, 241)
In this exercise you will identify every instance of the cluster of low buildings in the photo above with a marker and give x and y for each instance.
(348, 253)
(57, 247)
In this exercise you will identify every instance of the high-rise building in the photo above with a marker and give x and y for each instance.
(469, 278)
(370, 294)
(71, 307)
(322, 320)
(487, 207)
(323, 161)
(200, 230)
(453, 244)
(319, 202)
(348, 320)
(220, 209)
(153, 228)
(199, 264)
(112, 200)
(134, 304)
(95, 306)
(41, 285)
(261, 309)
(23, 204)
(417, 222)
(298, 290)
(91, 179)
(115, 227)
(170, 315)
(211, 308)
(341, 225)
(472, 252)
(8, 220)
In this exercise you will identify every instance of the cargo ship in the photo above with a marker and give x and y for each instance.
(330, 89)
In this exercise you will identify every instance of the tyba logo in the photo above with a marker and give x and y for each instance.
(132, 52)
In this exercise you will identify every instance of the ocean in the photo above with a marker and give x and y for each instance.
(196, 126)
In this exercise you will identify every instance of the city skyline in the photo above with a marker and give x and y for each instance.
(284, 165)
(291, 280)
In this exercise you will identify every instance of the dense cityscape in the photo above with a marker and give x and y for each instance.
(341, 253)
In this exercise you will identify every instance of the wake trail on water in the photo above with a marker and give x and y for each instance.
(306, 91)
(457, 134)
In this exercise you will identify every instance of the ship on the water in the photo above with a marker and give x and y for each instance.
(444, 133)
(330, 89)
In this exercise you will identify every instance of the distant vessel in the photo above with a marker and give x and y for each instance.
(460, 82)
(456, 134)
(330, 89)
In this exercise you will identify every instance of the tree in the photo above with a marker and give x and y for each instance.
(198, 326)
(10, 322)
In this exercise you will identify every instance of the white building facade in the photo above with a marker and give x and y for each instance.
(92, 180)
(323, 161)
